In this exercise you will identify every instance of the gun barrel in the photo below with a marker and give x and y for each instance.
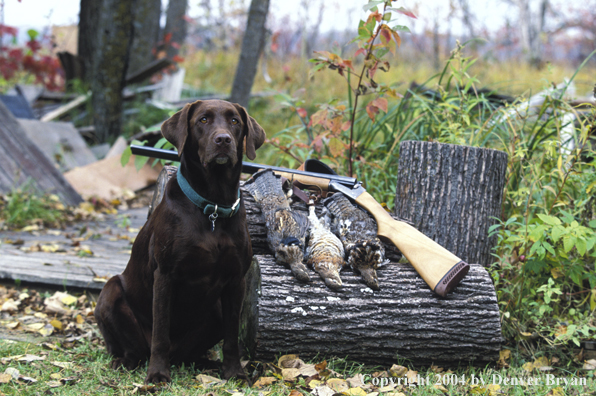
(247, 167)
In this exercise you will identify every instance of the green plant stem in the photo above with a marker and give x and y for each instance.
(357, 94)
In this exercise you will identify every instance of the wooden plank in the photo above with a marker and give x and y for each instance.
(79, 100)
(21, 160)
(60, 141)
(67, 269)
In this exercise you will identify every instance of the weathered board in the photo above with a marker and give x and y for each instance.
(21, 161)
(110, 246)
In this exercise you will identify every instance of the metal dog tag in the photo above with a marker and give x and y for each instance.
(213, 217)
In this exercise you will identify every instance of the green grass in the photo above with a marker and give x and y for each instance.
(89, 374)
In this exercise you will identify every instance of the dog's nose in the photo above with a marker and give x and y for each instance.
(223, 139)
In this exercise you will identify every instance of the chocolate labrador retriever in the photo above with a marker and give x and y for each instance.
(182, 289)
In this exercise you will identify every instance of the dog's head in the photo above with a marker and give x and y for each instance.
(213, 132)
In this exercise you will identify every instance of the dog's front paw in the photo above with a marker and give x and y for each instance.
(234, 370)
(156, 376)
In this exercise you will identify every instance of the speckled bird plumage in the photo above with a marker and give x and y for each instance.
(325, 252)
(358, 234)
(286, 229)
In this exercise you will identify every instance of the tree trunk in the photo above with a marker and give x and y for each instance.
(252, 46)
(176, 25)
(452, 194)
(110, 62)
(146, 34)
(88, 28)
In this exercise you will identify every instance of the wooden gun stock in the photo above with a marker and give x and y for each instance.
(440, 269)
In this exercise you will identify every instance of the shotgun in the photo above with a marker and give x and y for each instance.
(440, 269)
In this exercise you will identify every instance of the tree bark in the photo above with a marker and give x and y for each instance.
(252, 46)
(176, 25)
(88, 27)
(146, 34)
(402, 320)
(452, 194)
(110, 63)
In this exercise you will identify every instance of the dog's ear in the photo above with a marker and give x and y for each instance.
(255, 134)
(175, 128)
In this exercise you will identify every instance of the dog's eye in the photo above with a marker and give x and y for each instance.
(203, 120)
(234, 121)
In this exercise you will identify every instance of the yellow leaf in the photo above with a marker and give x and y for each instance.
(560, 164)
(67, 299)
(290, 374)
(356, 392)
(63, 365)
(338, 385)
(288, 361)
(556, 273)
(80, 319)
(558, 391)
(308, 370)
(412, 377)
(504, 354)
(12, 325)
(50, 248)
(208, 380)
(314, 383)
(528, 367)
(398, 371)
(35, 327)
(30, 228)
(56, 376)
(264, 381)
(57, 324)
(5, 378)
(541, 362)
(387, 388)
(47, 330)
(441, 388)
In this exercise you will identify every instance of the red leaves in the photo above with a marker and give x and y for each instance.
(46, 69)
(301, 112)
(375, 105)
(333, 61)
(8, 30)
(178, 59)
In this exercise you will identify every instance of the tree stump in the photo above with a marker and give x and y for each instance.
(452, 194)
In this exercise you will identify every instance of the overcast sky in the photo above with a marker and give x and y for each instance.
(340, 14)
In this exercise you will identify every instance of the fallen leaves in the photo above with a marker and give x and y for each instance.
(540, 364)
(60, 313)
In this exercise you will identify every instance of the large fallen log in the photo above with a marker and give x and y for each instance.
(405, 319)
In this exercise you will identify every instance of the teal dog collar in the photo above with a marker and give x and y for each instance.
(209, 208)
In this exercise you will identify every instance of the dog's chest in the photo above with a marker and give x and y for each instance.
(210, 258)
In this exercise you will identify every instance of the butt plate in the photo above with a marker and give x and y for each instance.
(452, 278)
